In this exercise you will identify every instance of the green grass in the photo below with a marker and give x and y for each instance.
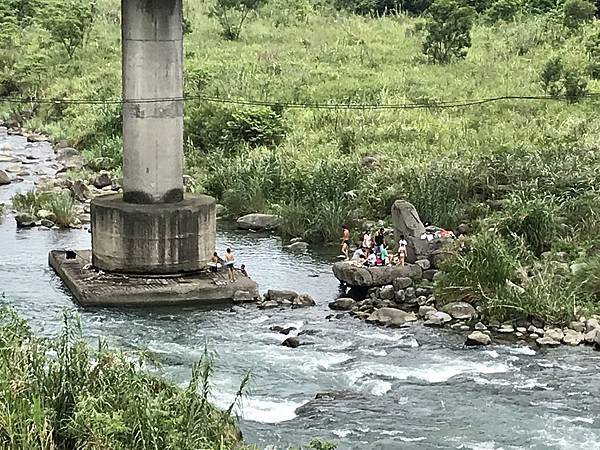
(58, 393)
(61, 205)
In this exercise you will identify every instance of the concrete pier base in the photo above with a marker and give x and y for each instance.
(91, 287)
(152, 239)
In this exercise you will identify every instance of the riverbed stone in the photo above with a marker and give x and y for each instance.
(425, 264)
(400, 296)
(102, 180)
(46, 214)
(547, 341)
(81, 191)
(431, 274)
(354, 275)
(460, 310)
(258, 222)
(479, 326)
(278, 295)
(302, 301)
(577, 326)
(391, 317)
(4, 178)
(478, 338)
(406, 220)
(573, 337)
(425, 311)
(25, 220)
(592, 324)
(291, 342)
(298, 246)
(343, 304)
(47, 223)
(554, 334)
(387, 293)
(402, 283)
(268, 304)
(506, 328)
(437, 319)
(535, 330)
(590, 336)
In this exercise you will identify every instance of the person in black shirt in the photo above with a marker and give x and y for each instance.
(379, 239)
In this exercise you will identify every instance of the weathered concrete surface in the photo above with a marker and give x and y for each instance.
(152, 40)
(93, 288)
(153, 239)
(354, 275)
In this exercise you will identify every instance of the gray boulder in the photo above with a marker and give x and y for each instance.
(406, 220)
(102, 180)
(354, 275)
(478, 338)
(402, 283)
(460, 310)
(298, 246)
(387, 293)
(555, 334)
(391, 316)
(302, 301)
(437, 319)
(258, 222)
(547, 342)
(592, 324)
(418, 249)
(573, 337)
(423, 263)
(4, 178)
(291, 342)
(70, 158)
(279, 295)
(268, 304)
(590, 336)
(24, 220)
(343, 304)
(425, 311)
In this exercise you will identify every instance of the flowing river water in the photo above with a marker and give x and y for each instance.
(411, 388)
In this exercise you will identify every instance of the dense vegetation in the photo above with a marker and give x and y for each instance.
(521, 173)
(59, 394)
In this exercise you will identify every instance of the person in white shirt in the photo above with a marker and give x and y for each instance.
(367, 243)
(402, 249)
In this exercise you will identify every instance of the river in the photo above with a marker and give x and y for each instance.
(412, 388)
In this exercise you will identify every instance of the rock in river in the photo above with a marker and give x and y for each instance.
(4, 178)
(343, 304)
(25, 220)
(478, 338)
(291, 342)
(279, 295)
(573, 337)
(302, 301)
(391, 317)
(460, 310)
(354, 275)
(258, 222)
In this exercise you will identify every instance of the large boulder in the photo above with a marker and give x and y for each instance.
(302, 301)
(460, 310)
(573, 337)
(280, 295)
(4, 178)
(343, 304)
(24, 220)
(354, 275)
(70, 158)
(406, 220)
(391, 317)
(291, 342)
(437, 319)
(258, 222)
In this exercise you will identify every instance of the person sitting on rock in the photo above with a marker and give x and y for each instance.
(243, 270)
(371, 259)
(215, 262)
(402, 250)
(358, 254)
(384, 256)
(229, 263)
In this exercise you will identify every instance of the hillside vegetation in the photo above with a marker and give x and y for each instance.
(522, 173)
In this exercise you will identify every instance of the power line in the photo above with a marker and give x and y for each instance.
(425, 104)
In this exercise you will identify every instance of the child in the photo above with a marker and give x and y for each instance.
(402, 249)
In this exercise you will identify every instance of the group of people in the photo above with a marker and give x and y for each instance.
(372, 250)
(228, 262)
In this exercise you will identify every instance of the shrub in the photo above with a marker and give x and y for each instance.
(232, 14)
(448, 30)
(258, 126)
(575, 85)
(57, 393)
(379, 7)
(531, 219)
(551, 76)
(502, 10)
(592, 47)
(105, 154)
(478, 271)
(30, 202)
(63, 208)
(576, 12)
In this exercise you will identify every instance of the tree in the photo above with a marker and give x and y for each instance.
(69, 22)
(576, 12)
(232, 14)
(448, 30)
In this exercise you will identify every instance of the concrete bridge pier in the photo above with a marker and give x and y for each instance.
(152, 228)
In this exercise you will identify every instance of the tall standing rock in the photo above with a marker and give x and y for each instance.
(408, 224)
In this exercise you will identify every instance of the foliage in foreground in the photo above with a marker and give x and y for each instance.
(61, 206)
(59, 394)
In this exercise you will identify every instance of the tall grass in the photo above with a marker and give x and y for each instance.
(59, 394)
(63, 208)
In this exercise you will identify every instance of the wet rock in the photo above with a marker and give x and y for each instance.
(402, 283)
(25, 220)
(343, 304)
(243, 296)
(478, 338)
(45, 214)
(258, 222)
(577, 326)
(391, 317)
(47, 223)
(573, 337)
(70, 158)
(4, 178)
(426, 311)
(387, 293)
(437, 319)
(555, 334)
(102, 180)
(278, 295)
(460, 310)
(221, 210)
(400, 296)
(480, 326)
(282, 330)
(425, 264)
(302, 301)
(592, 324)
(354, 275)
(291, 342)
(298, 246)
(81, 191)
(536, 330)
(431, 274)
(590, 336)
(268, 304)
(547, 341)
(506, 328)
(424, 290)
